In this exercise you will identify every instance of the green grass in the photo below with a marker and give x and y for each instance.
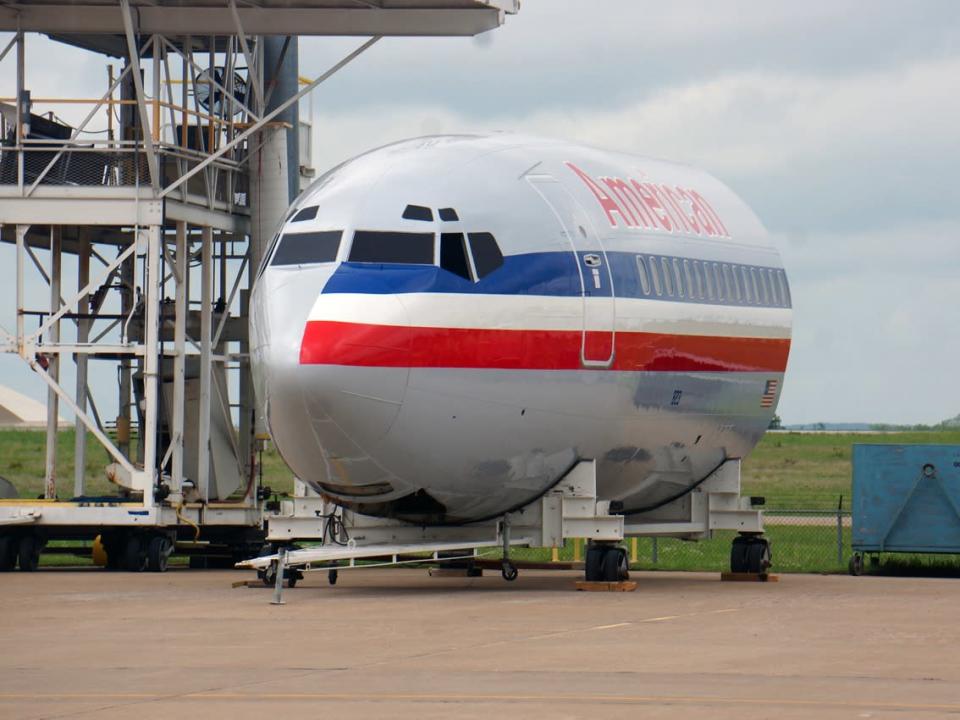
(793, 471)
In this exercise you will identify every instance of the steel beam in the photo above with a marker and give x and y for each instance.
(206, 362)
(83, 335)
(53, 337)
(179, 361)
(133, 59)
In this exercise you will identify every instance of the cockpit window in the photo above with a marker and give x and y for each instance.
(448, 214)
(453, 254)
(306, 248)
(384, 246)
(486, 253)
(307, 213)
(418, 212)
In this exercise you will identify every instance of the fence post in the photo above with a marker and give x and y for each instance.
(840, 531)
(576, 549)
(655, 552)
(633, 549)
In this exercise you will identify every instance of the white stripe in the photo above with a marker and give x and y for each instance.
(537, 312)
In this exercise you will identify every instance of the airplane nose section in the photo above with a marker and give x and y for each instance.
(329, 372)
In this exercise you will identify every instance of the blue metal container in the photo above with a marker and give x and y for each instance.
(906, 498)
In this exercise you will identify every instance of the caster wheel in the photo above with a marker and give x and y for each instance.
(269, 574)
(134, 555)
(8, 553)
(292, 578)
(509, 571)
(332, 577)
(28, 553)
(758, 556)
(158, 553)
(739, 550)
(593, 567)
(615, 567)
(856, 564)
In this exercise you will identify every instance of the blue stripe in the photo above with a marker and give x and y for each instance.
(547, 273)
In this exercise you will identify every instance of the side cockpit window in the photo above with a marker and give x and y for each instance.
(307, 213)
(384, 246)
(418, 212)
(307, 248)
(453, 254)
(486, 253)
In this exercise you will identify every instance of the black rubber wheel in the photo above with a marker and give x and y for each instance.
(615, 567)
(266, 576)
(28, 553)
(739, 561)
(758, 556)
(509, 571)
(332, 577)
(158, 552)
(593, 567)
(292, 576)
(855, 566)
(8, 553)
(134, 554)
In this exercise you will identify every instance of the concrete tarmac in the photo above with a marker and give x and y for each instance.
(87, 643)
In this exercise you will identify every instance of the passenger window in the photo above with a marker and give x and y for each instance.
(718, 280)
(678, 277)
(384, 246)
(453, 254)
(667, 279)
(306, 248)
(644, 278)
(755, 286)
(774, 289)
(733, 292)
(698, 272)
(711, 293)
(655, 276)
(784, 287)
(486, 253)
(747, 290)
(308, 213)
(418, 212)
(688, 276)
(448, 214)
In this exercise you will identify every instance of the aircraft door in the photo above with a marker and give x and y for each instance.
(596, 282)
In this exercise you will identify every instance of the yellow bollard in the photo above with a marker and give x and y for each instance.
(555, 554)
(576, 549)
(633, 549)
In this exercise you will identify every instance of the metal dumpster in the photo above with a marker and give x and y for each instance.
(906, 498)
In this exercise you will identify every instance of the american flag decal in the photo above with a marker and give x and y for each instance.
(769, 393)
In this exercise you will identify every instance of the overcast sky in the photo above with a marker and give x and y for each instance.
(838, 122)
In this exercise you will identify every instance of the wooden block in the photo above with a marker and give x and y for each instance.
(748, 577)
(248, 584)
(625, 586)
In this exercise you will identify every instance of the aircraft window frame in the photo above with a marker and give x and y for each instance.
(482, 272)
(464, 250)
(678, 276)
(420, 213)
(314, 247)
(667, 278)
(393, 236)
(304, 214)
(655, 276)
(645, 286)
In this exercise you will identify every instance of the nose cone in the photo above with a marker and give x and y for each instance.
(319, 375)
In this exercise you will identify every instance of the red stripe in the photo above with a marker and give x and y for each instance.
(357, 344)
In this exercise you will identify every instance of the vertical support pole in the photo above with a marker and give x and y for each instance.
(633, 550)
(278, 583)
(179, 360)
(158, 50)
(206, 364)
(21, 253)
(53, 400)
(127, 270)
(655, 551)
(83, 336)
(151, 337)
(577, 555)
(21, 86)
(840, 531)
